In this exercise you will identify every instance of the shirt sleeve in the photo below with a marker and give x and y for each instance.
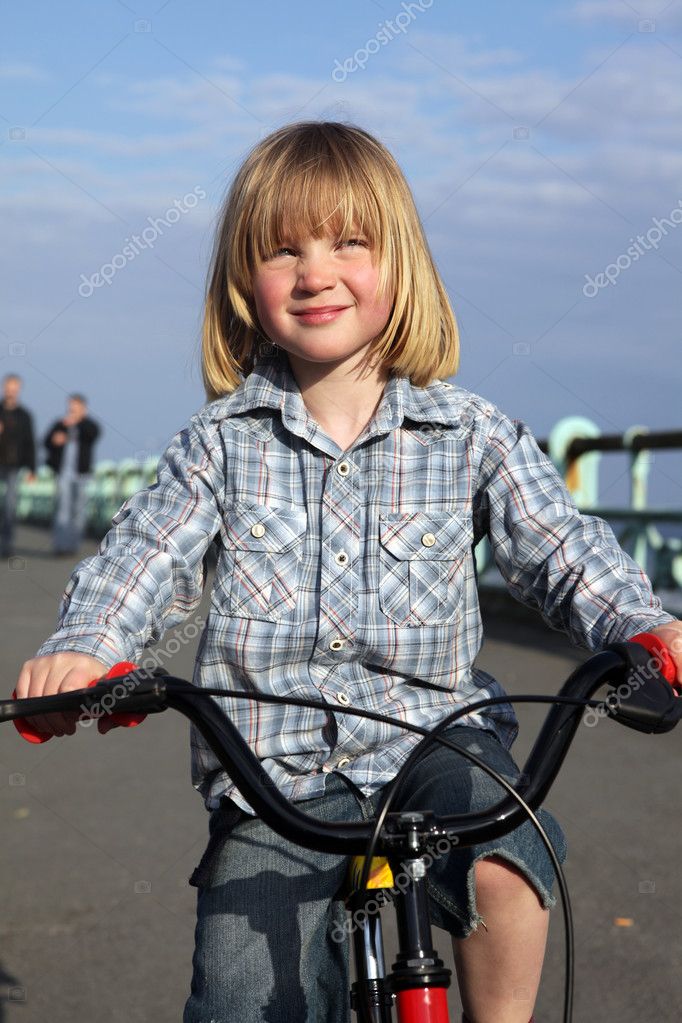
(47, 440)
(148, 574)
(568, 565)
(89, 430)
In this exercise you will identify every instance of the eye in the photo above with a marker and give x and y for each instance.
(355, 242)
(278, 252)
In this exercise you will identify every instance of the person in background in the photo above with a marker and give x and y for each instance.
(69, 443)
(17, 451)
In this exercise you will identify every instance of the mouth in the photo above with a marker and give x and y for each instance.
(320, 314)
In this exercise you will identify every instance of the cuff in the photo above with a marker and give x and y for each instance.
(108, 649)
(630, 625)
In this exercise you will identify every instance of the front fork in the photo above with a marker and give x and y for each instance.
(370, 997)
(418, 981)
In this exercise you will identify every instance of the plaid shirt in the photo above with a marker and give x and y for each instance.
(346, 576)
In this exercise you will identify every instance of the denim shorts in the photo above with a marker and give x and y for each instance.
(269, 913)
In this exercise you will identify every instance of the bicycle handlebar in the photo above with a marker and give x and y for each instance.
(653, 707)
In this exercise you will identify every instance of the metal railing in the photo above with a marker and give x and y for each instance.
(651, 536)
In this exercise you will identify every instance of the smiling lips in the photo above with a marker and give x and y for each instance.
(320, 314)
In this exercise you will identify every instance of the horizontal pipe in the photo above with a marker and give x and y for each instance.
(664, 439)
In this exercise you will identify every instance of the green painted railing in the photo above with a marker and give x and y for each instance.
(576, 445)
(110, 485)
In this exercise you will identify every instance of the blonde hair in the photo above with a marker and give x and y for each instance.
(303, 180)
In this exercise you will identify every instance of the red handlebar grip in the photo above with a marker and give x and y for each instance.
(657, 647)
(31, 734)
(123, 720)
(27, 731)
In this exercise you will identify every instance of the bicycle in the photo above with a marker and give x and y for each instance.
(643, 694)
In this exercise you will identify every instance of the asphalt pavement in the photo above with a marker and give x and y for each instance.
(100, 834)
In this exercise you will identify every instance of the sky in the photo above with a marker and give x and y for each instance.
(541, 141)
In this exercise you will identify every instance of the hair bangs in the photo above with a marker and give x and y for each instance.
(319, 200)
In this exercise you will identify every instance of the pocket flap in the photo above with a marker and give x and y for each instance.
(436, 536)
(255, 527)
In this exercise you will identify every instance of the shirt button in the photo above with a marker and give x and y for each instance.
(258, 530)
(428, 539)
(341, 558)
(336, 644)
(343, 762)
(343, 468)
(343, 699)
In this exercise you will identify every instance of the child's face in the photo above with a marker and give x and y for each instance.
(313, 273)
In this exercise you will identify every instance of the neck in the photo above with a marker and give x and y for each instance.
(341, 398)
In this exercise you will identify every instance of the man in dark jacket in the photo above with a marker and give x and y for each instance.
(17, 451)
(69, 443)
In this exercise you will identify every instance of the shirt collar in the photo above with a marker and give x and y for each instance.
(271, 384)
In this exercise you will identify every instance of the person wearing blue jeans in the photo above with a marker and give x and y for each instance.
(72, 501)
(69, 443)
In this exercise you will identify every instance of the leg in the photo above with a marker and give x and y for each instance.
(499, 964)
(70, 535)
(60, 510)
(504, 885)
(80, 509)
(270, 941)
(9, 508)
(63, 514)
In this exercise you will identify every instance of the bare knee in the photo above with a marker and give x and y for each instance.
(497, 879)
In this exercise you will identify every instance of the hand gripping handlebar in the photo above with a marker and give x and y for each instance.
(126, 720)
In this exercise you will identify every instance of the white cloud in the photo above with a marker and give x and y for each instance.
(199, 97)
(93, 143)
(466, 53)
(229, 63)
(24, 72)
(665, 16)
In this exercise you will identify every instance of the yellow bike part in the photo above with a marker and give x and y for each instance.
(380, 875)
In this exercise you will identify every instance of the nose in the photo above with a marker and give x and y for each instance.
(316, 273)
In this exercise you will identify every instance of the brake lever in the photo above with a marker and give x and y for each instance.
(648, 699)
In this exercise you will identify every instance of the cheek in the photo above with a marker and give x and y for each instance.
(383, 308)
(367, 282)
(267, 298)
(381, 305)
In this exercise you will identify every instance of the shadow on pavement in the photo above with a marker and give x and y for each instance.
(11, 992)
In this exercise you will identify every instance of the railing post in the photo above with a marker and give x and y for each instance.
(640, 463)
(580, 474)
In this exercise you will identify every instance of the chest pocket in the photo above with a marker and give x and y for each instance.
(422, 566)
(264, 561)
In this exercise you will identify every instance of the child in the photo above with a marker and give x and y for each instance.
(348, 486)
